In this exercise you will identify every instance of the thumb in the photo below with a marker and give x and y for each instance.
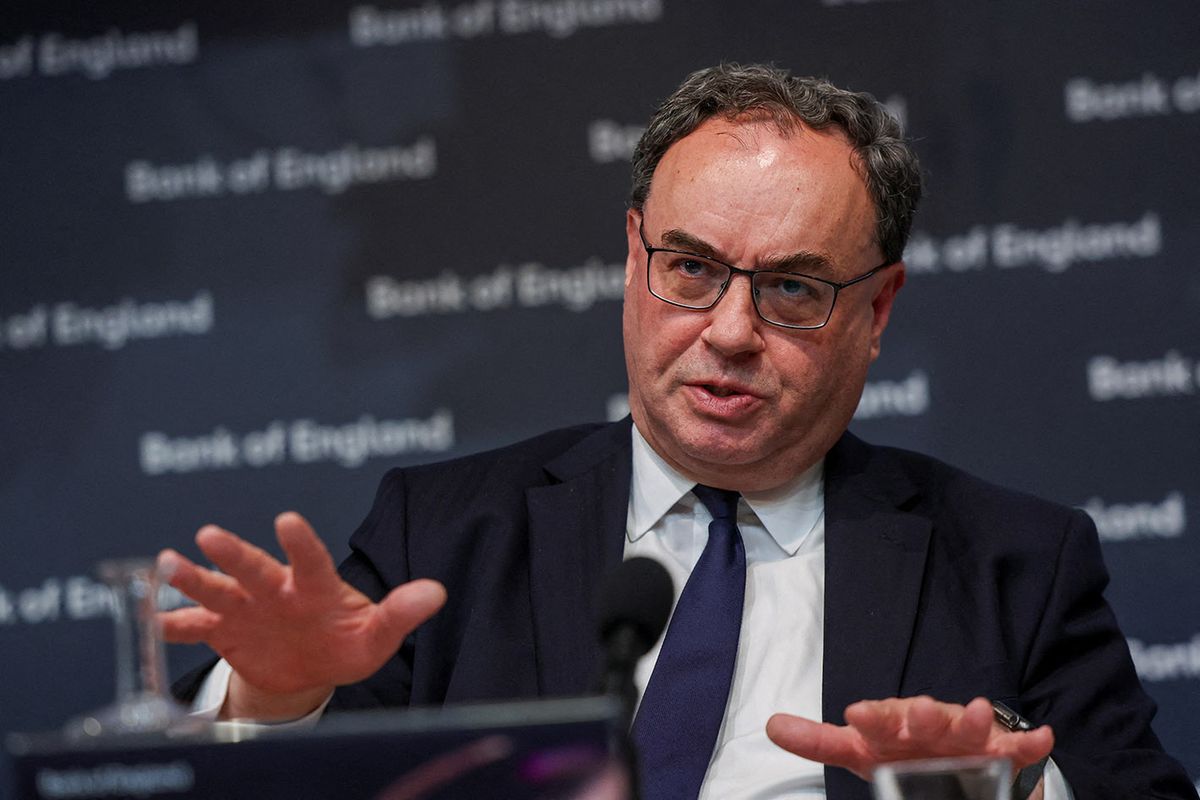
(836, 745)
(790, 732)
(406, 607)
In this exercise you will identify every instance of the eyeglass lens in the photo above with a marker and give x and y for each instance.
(781, 297)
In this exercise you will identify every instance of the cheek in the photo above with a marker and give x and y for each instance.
(847, 337)
(843, 368)
(803, 384)
(645, 358)
(814, 370)
(859, 317)
(661, 336)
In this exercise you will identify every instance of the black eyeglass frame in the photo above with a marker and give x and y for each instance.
(750, 273)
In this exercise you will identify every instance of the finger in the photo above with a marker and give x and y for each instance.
(835, 745)
(974, 723)
(188, 625)
(404, 608)
(1024, 747)
(312, 566)
(928, 721)
(254, 568)
(938, 729)
(217, 592)
(880, 722)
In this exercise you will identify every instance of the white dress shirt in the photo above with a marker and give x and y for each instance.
(780, 649)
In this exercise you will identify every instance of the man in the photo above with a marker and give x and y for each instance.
(768, 219)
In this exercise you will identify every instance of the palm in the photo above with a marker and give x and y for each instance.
(291, 640)
(287, 628)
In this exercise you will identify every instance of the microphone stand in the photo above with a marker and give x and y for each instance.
(623, 648)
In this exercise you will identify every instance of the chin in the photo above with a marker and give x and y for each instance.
(721, 449)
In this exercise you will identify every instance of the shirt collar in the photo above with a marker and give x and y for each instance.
(788, 513)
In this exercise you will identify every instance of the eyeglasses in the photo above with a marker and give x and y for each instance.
(786, 299)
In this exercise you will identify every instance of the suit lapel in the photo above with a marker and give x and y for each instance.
(576, 534)
(874, 564)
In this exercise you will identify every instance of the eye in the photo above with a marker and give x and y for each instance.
(791, 287)
(787, 286)
(689, 266)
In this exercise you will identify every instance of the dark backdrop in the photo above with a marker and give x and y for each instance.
(250, 259)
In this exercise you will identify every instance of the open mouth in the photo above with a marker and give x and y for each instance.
(730, 403)
(720, 391)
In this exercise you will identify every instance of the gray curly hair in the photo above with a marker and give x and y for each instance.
(889, 166)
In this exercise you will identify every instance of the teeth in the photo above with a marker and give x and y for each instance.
(719, 392)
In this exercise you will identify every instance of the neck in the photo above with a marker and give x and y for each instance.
(765, 479)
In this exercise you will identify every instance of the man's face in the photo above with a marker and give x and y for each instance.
(726, 398)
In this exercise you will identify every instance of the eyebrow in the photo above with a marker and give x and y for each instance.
(805, 261)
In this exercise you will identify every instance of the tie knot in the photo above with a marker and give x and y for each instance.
(721, 503)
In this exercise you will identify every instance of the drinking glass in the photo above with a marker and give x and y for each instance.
(968, 778)
(143, 703)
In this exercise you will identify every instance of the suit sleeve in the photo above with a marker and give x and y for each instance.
(378, 562)
(1081, 680)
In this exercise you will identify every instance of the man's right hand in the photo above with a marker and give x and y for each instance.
(292, 632)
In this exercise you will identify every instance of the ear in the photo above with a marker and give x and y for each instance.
(881, 304)
(633, 221)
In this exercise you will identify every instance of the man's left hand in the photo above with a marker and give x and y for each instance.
(899, 729)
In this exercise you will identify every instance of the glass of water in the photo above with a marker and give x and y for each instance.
(967, 778)
(143, 701)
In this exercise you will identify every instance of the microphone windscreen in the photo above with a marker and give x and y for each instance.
(637, 594)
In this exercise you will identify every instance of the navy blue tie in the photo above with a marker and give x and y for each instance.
(683, 705)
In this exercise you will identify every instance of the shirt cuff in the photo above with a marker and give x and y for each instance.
(1054, 785)
(208, 701)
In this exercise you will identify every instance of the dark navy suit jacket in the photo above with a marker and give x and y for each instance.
(936, 583)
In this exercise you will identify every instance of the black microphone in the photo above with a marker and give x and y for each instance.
(635, 603)
(634, 606)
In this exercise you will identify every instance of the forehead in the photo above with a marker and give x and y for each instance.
(752, 189)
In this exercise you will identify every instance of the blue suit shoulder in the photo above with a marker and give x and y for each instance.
(960, 504)
(524, 457)
(439, 509)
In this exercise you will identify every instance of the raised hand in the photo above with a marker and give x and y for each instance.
(899, 729)
(291, 632)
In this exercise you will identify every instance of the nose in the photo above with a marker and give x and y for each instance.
(734, 326)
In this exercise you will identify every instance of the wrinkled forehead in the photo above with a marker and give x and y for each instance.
(747, 184)
(767, 137)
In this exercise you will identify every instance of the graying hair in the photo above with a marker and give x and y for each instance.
(889, 166)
